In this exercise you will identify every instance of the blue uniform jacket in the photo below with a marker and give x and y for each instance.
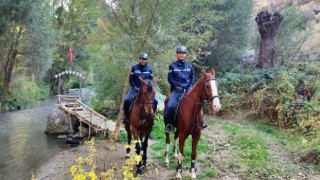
(139, 70)
(181, 75)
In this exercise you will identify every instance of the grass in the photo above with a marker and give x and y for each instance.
(244, 148)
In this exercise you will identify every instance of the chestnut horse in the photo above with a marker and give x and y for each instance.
(189, 120)
(141, 119)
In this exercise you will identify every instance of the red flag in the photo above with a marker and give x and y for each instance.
(70, 54)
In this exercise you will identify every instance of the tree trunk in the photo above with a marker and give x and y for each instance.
(118, 124)
(267, 25)
(7, 72)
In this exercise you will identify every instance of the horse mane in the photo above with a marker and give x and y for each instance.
(149, 86)
(197, 84)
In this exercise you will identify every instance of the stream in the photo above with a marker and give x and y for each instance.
(24, 147)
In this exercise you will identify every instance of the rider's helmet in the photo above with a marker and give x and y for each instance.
(182, 49)
(143, 56)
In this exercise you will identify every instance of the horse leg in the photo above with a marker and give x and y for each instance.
(175, 146)
(144, 149)
(166, 161)
(137, 147)
(182, 140)
(195, 140)
(127, 127)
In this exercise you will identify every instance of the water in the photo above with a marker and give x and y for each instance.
(23, 145)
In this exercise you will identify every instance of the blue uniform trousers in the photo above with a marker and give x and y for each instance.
(169, 111)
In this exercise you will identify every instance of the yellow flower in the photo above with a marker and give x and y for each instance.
(73, 170)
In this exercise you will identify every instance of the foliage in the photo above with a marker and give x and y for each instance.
(232, 34)
(85, 167)
(152, 27)
(73, 22)
(284, 98)
(235, 85)
(25, 94)
(26, 39)
(79, 171)
(292, 33)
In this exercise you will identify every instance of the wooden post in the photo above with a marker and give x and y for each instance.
(70, 122)
(59, 86)
(80, 130)
(89, 131)
(80, 90)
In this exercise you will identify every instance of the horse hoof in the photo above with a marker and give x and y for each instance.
(193, 174)
(139, 172)
(178, 176)
(166, 161)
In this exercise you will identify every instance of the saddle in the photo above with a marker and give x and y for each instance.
(176, 106)
(132, 100)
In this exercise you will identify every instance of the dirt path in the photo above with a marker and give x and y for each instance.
(221, 158)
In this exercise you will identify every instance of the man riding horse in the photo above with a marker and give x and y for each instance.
(143, 70)
(181, 80)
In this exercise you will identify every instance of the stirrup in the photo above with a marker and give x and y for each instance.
(124, 120)
(169, 128)
(205, 126)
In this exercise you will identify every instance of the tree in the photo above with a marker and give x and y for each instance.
(267, 25)
(232, 33)
(127, 28)
(24, 35)
(292, 33)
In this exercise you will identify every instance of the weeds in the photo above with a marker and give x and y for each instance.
(85, 167)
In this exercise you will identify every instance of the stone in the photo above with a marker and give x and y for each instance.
(57, 123)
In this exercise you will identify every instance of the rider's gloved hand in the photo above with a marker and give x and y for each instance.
(179, 89)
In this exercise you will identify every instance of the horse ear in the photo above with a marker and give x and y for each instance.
(213, 71)
(203, 72)
(155, 79)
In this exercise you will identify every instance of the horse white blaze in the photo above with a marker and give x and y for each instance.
(216, 102)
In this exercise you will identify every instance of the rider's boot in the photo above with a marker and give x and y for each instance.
(205, 126)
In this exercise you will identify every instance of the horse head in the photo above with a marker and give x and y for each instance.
(147, 93)
(210, 87)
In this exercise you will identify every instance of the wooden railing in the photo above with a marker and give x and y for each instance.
(85, 114)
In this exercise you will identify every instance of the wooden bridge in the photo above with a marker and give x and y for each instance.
(73, 106)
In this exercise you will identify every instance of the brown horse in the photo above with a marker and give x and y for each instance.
(189, 120)
(141, 119)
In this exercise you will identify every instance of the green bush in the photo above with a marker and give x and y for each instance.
(24, 94)
(286, 98)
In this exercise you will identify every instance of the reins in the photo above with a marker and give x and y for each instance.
(199, 103)
(141, 106)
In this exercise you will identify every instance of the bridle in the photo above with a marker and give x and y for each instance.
(208, 98)
(144, 103)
